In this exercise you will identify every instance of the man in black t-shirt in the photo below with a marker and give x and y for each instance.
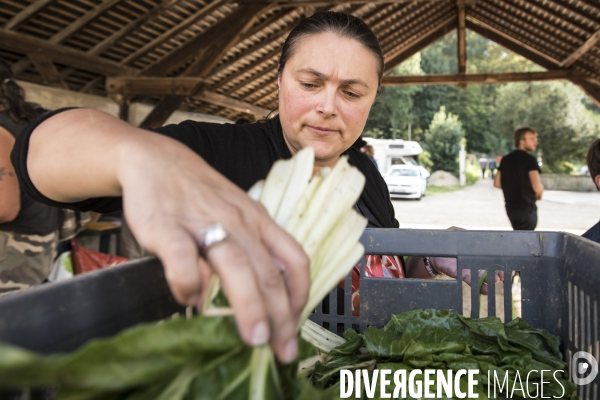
(519, 179)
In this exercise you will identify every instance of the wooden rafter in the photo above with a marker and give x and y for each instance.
(126, 86)
(405, 52)
(183, 25)
(228, 102)
(462, 37)
(475, 19)
(27, 44)
(26, 13)
(217, 35)
(259, 60)
(580, 52)
(593, 90)
(82, 21)
(126, 29)
(208, 49)
(137, 85)
(435, 79)
(405, 19)
(522, 19)
(268, 21)
(320, 3)
(428, 17)
(70, 29)
(47, 69)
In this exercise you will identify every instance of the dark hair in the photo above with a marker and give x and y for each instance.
(12, 96)
(520, 134)
(342, 24)
(593, 159)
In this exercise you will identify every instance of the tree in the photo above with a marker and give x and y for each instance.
(557, 112)
(442, 141)
(392, 112)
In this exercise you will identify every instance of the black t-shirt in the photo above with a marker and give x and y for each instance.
(34, 218)
(516, 185)
(242, 153)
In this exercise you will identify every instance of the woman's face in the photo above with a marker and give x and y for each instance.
(326, 90)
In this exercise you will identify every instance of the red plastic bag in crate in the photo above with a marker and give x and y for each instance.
(86, 260)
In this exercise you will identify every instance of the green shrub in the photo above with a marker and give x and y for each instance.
(473, 174)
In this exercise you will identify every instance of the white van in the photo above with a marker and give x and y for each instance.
(390, 152)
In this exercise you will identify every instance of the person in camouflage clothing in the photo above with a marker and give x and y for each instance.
(29, 230)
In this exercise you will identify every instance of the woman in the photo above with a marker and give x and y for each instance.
(28, 229)
(329, 75)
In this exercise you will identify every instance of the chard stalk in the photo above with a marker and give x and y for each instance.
(262, 357)
(275, 185)
(321, 197)
(256, 190)
(298, 183)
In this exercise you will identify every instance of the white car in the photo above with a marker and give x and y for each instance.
(406, 181)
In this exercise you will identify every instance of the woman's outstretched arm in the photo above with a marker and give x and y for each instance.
(170, 195)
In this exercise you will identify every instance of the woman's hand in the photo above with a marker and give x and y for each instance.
(449, 266)
(170, 195)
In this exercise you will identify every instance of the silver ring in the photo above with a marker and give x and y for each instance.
(211, 236)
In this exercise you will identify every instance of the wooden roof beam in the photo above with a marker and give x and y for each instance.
(228, 102)
(405, 52)
(82, 21)
(457, 79)
(208, 49)
(591, 89)
(462, 39)
(26, 13)
(580, 52)
(224, 32)
(64, 34)
(137, 85)
(185, 24)
(27, 44)
(48, 71)
(110, 40)
(176, 87)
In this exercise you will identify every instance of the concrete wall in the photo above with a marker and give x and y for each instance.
(52, 98)
(568, 182)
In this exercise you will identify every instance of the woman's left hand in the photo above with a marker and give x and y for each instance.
(449, 266)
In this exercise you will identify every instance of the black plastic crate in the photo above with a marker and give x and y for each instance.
(560, 284)
(560, 292)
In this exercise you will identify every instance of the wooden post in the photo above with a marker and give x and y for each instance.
(462, 40)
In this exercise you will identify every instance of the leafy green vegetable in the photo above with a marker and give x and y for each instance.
(197, 358)
(445, 340)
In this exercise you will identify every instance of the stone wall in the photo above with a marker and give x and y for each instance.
(568, 182)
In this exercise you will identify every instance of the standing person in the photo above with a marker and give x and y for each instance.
(370, 152)
(492, 166)
(28, 229)
(519, 179)
(593, 163)
(483, 163)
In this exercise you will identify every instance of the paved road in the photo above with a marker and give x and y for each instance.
(481, 207)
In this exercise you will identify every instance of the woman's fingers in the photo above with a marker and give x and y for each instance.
(179, 255)
(258, 297)
(293, 263)
(466, 275)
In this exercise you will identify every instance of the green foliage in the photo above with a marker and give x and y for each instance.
(442, 140)
(565, 167)
(473, 174)
(425, 160)
(556, 110)
(392, 111)
(445, 340)
(489, 113)
(199, 358)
